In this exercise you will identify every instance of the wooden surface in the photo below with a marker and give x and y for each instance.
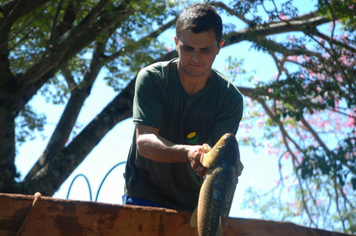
(48, 216)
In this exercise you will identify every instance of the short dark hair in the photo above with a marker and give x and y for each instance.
(198, 18)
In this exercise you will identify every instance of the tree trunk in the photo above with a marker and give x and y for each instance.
(7, 148)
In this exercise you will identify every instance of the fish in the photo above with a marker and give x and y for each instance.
(218, 188)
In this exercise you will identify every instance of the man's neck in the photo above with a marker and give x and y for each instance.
(191, 84)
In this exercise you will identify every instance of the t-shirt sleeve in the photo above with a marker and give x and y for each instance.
(148, 102)
(228, 119)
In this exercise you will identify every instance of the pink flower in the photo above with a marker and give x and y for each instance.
(350, 122)
(281, 16)
(256, 79)
(338, 78)
(293, 58)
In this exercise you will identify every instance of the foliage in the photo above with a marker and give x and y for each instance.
(311, 116)
(56, 49)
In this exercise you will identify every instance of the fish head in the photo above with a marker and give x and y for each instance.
(224, 151)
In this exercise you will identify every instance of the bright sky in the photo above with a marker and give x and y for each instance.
(260, 169)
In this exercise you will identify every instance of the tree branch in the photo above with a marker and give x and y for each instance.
(58, 168)
(63, 48)
(78, 96)
(14, 9)
(3, 44)
(51, 176)
(67, 74)
(62, 52)
(294, 158)
(298, 24)
(338, 43)
(54, 22)
(147, 38)
(315, 135)
(231, 11)
(336, 61)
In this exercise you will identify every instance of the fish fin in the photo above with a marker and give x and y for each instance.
(193, 219)
(219, 230)
(222, 223)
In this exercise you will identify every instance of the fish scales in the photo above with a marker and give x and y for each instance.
(217, 201)
(218, 188)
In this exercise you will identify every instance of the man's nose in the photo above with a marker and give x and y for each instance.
(196, 55)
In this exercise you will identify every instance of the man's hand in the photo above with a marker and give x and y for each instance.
(157, 148)
(196, 156)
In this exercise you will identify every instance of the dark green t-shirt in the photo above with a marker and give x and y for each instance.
(161, 102)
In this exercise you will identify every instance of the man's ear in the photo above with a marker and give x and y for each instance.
(221, 43)
(176, 41)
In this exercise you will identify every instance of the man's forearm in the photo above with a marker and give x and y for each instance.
(159, 149)
(154, 147)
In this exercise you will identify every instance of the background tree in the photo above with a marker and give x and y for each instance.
(57, 49)
(309, 116)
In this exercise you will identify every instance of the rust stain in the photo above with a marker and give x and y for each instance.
(68, 225)
(105, 214)
(9, 225)
(186, 217)
(68, 209)
(161, 226)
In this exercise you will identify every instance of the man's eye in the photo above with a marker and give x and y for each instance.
(206, 50)
(188, 48)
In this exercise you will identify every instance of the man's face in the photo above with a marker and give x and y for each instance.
(197, 52)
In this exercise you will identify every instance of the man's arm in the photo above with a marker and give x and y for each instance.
(154, 147)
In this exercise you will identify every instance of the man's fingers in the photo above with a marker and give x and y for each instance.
(196, 159)
(202, 158)
(205, 148)
(200, 171)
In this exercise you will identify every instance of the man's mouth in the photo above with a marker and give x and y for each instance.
(195, 65)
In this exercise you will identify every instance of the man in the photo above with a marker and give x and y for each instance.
(178, 106)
